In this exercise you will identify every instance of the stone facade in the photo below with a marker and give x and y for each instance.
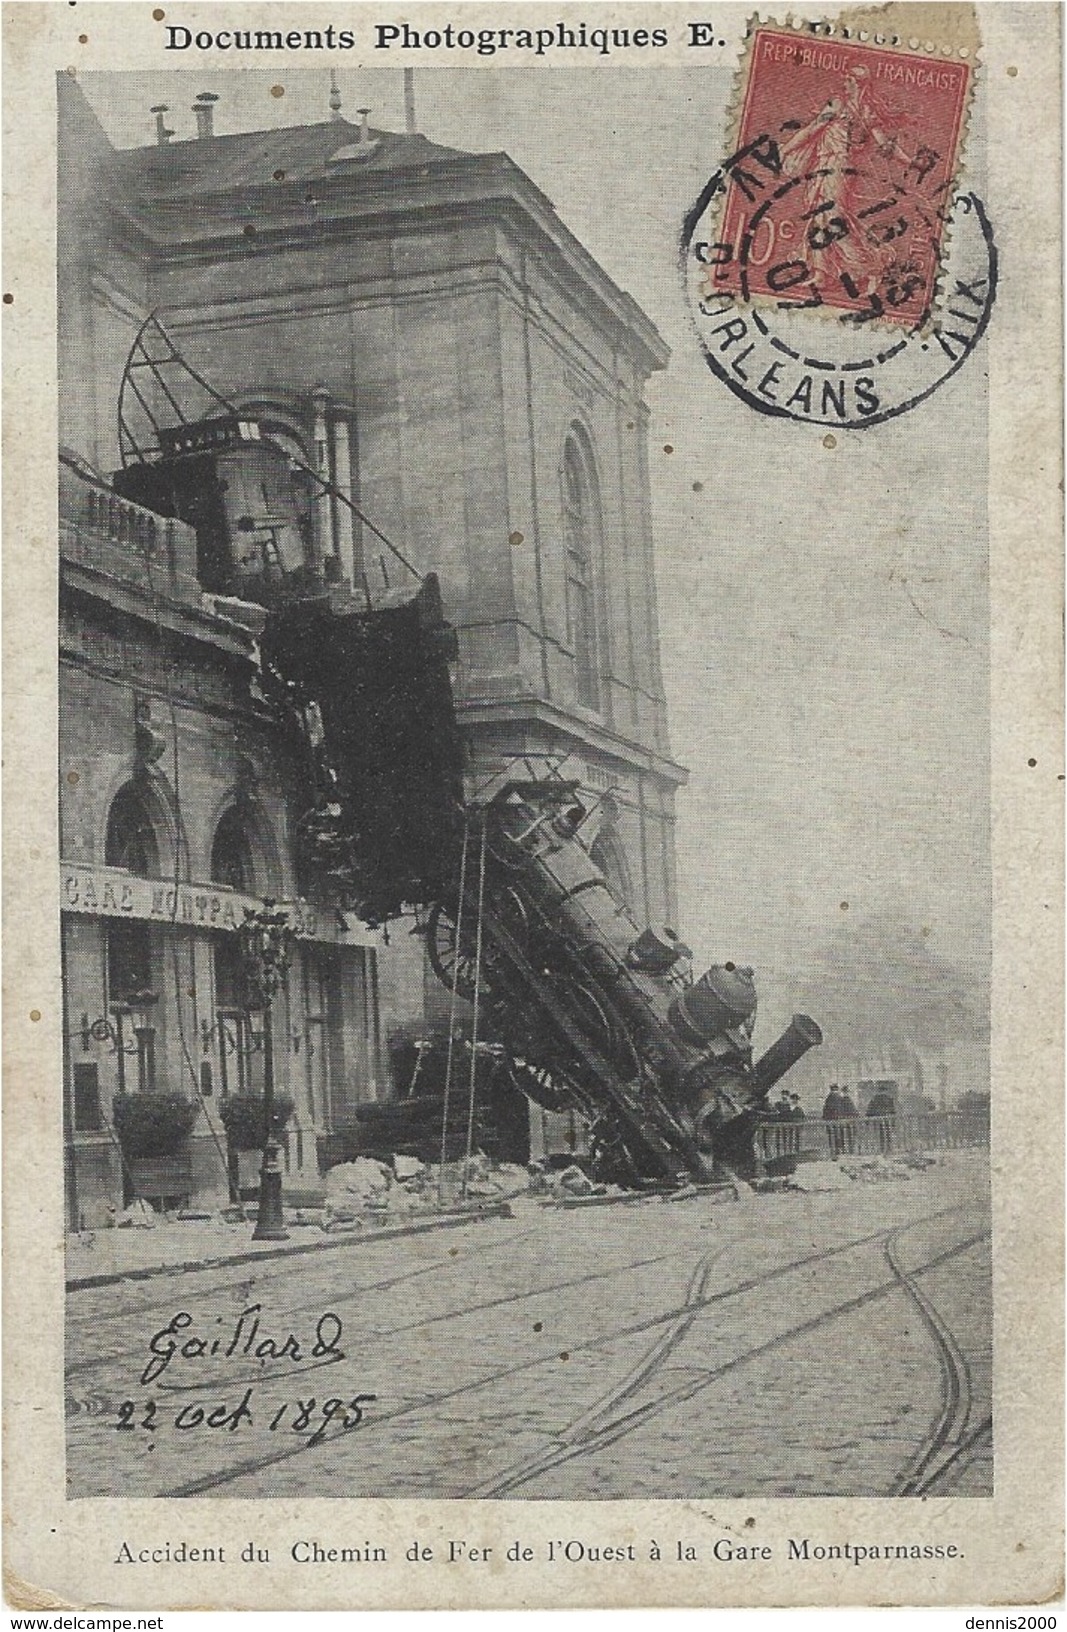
(418, 323)
(176, 813)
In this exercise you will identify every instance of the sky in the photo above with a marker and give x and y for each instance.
(823, 611)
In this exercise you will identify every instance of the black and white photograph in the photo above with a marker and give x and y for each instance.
(527, 842)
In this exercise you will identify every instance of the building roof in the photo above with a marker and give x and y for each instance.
(255, 158)
(195, 195)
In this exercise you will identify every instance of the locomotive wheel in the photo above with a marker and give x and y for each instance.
(541, 1084)
(605, 1031)
(453, 965)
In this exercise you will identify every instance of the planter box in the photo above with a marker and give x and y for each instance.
(248, 1165)
(166, 1181)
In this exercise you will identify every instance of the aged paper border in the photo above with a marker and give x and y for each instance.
(61, 1554)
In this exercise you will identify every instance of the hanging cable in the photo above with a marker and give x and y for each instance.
(452, 1013)
(477, 1000)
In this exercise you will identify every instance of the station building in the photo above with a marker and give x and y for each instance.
(419, 325)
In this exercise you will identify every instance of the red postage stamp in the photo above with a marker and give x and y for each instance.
(840, 185)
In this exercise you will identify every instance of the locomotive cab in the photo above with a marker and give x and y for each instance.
(250, 506)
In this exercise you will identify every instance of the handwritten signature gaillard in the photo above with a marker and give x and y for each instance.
(242, 1340)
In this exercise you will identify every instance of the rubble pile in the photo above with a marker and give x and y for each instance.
(367, 1189)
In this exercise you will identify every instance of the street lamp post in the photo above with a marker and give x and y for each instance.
(266, 944)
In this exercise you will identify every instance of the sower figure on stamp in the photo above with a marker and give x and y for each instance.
(841, 193)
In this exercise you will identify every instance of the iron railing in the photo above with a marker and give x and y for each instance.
(872, 1135)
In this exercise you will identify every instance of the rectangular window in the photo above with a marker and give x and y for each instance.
(88, 1117)
(129, 961)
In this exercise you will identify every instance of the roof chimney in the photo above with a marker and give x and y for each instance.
(335, 95)
(204, 108)
(163, 135)
(409, 101)
(364, 126)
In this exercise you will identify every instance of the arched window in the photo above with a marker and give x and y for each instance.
(580, 528)
(231, 864)
(231, 853)
(132, 984)
(131, 836)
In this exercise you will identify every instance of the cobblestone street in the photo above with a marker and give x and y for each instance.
(783, 1344)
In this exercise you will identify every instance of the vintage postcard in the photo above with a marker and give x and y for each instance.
(533, 915)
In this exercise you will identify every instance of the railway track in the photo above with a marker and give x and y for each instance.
(289, 1311)
(604, 1424)
(962, 1422)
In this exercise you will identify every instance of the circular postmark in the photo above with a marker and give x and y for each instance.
(831, 294)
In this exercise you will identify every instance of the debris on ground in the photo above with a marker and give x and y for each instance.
(406, 1187)
(354, 1187)
(577, 1183)
(139, 1215)
(844, 1172)
(820, 1176)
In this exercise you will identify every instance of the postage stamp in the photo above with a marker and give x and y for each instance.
(839, 266)
(846, 156)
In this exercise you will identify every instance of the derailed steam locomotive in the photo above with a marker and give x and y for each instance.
(595, 1012)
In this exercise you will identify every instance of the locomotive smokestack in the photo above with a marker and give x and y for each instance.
(801, 1034)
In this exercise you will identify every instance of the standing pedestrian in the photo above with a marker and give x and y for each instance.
(783, 1113)
(849, 1117)
(796, 1116)
(882, 1109)
(831, 1115)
